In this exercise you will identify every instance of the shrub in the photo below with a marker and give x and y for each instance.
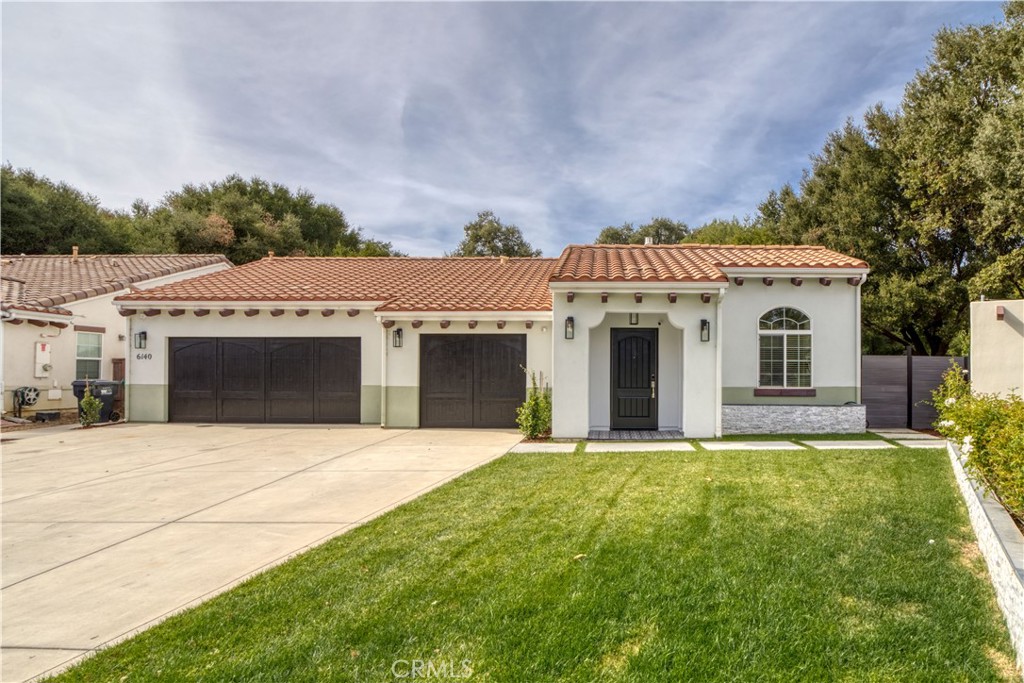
(534, 416)
(990, 432)
(90, 408)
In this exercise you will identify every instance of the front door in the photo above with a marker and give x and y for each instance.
(634, 378)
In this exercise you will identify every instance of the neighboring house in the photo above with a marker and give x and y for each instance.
(694, 338)
(60, 324)
(997, 347)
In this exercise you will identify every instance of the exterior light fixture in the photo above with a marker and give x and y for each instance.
(396, 338)
(570, 328)
(140, 340)
(705, 330)
(634, 318)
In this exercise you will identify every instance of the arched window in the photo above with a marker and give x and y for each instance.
(784, 353)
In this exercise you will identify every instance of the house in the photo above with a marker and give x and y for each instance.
(698, 339)
(997, 347)
(60, 324)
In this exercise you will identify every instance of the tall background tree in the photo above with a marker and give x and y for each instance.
(243, 219)
(488, 236)
(40, 216)
(660, 231)
(931, 195)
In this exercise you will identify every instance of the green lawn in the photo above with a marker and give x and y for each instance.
(729, 566)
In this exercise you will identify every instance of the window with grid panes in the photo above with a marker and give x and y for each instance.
(784, 349)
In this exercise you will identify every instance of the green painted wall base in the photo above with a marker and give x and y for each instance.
(403, 407)
(825, 396)
(369, 404)
(147, 402)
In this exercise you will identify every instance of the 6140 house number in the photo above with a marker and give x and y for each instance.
(143, 356)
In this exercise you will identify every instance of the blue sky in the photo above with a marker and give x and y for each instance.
(560, 117)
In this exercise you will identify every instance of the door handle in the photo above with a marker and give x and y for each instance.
(654, 384)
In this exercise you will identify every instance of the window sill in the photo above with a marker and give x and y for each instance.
(785, 392)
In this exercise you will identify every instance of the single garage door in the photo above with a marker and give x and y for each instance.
(471, 380)
(264, 380)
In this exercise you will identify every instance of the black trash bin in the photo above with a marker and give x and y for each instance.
(103, 389)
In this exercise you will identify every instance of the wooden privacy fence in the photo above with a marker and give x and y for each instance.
(897, 390)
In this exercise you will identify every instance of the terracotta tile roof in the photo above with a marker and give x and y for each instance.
(43, 283)
(686, 262)
(394, 284)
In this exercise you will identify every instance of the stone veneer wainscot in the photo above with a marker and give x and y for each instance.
(777, 419)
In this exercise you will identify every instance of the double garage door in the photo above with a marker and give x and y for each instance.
(264, 380)
(471, 380)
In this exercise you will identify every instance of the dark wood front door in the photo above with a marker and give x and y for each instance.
(471, 380)
(264, 380)
(634, 401)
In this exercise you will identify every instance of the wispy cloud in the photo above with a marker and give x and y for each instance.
(561, 118)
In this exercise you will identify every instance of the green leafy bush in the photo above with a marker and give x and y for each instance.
(90, 409)
(990, 432)
(534, 416)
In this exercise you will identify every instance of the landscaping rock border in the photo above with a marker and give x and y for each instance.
(1002, 545)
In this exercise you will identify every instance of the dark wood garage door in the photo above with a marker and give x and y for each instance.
(264, 380)
(471, 380)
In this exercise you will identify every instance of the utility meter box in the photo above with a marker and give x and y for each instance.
(42, 364)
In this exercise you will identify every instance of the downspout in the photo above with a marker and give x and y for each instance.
(860, 342)
(383, 375)
(718, 363)
(129, 345)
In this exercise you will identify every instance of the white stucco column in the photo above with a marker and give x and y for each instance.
(570, 375)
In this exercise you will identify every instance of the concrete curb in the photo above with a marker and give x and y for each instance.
(1002, 545)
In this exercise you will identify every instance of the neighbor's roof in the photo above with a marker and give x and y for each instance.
(687, 262)
(394, 283)
(41, 284)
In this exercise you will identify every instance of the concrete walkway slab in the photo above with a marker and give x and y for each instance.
(638, 446)
(858, 444)
(544, 448)
(107, 531)
(751, 446)
(922, 443)
(905, 434)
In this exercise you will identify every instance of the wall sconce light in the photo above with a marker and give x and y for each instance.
(634, 318)
(396, 338)
(705, 330)
(570, 328)
(140, 340)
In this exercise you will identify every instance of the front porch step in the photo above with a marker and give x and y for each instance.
(635, 435)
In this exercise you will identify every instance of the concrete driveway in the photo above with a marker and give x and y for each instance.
(109, 530)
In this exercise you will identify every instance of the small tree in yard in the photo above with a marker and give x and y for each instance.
(534, 416)
(90, 408)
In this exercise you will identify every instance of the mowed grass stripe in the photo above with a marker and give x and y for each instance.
(756, 565)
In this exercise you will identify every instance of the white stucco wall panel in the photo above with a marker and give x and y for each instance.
(582, 366)
(151, 365)
(835, 326)
(997, 347)
(403, 366)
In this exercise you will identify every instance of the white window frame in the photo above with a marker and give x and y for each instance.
(99, 359)
(785, 347)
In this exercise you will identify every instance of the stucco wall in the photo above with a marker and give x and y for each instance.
(835, 339)
(19, 346)
(403, 364)
(399, 387)
(148, 369)
(997, 347)
(582, 366)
